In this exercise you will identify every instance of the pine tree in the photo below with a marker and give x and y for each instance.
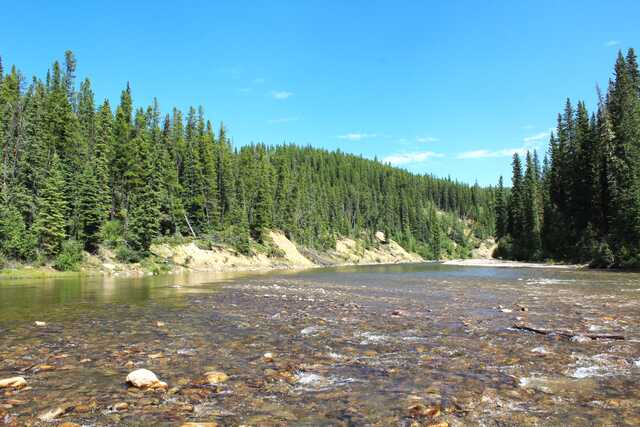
(52, 210)
(225, 168)
(144, 215)
(502, 214)
(91, 212)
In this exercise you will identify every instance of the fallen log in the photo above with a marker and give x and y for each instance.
(566, 334)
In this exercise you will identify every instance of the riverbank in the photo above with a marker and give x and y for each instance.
(499, 263)
(30, 272)
(279, 253)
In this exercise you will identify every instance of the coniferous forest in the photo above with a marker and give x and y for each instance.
(77, 173)
(583, 203)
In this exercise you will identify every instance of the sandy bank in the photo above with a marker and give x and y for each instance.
(508, 264)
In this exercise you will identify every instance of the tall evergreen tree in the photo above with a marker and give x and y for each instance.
(52, 210)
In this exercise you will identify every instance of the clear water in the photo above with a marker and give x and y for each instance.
(379, 345)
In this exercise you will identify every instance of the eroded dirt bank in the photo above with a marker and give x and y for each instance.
(190, 257)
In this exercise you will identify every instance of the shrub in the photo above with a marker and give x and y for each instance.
(125, 254)
(112, 233)
(504, 249)
(70, 257)
(602, 256)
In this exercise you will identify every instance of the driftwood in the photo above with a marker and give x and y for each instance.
(566, 334)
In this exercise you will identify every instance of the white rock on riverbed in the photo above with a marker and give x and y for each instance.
(13, 382)
(144, 378)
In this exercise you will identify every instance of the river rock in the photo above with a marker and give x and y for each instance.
(52, 414)
(268, 357)
(39, 323)
(121, 406)
(144, 378)
(215, 377)
(14, 382)
(580, 339)
(211, 424)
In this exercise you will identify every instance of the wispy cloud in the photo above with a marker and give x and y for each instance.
(407, 158)
(482, 154)
(534, 139)
(357, 136)
(612, 43)
(282, 120)
(281, 94)
(244, 90)
(258, 80)
(531, 142)
(423, 139)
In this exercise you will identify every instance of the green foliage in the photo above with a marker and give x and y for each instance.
(504, 249)
(584, 205)
(15, 241)
(52, 209)
(70, 257)
(112, 233)
(126, 254)
(128, 177)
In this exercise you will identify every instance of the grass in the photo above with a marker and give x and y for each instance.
(39, 273)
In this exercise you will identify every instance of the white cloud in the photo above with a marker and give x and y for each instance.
(533, 139)
(612, 43)
(406, 158)
(481, 154)
(531, 142)
(282, 120)
(423, 139)
(244, 90)
(258, 80)
(357, 136)
(281, 94)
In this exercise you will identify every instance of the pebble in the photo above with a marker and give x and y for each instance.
(144, 378)
(209, 424)
(39, 323)
(215, 377)
(52, 414)
(121, 406)
(580, 339)
(14, 382)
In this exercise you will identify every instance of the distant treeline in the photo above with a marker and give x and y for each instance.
(74, 175)
(583, 203)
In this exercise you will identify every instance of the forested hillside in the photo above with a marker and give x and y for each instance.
(77, 174)
(583, 204)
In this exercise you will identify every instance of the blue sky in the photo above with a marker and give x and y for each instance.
(447, 87)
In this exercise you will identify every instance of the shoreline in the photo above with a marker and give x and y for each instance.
(29, 272)
(499, 263)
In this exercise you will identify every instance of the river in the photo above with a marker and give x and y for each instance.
(419, 344)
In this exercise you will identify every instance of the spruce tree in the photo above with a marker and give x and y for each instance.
(52, 210)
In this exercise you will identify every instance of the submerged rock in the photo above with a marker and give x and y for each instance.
(14, 382)
(215, 377)
(268, 357)
(121, 406)
(144, 378)
(209, 424)
(420, 410)
(580, 339)
(54, 413)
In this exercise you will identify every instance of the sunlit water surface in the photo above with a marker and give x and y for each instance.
(382, 345)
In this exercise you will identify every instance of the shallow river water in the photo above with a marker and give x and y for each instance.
(405, 345)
